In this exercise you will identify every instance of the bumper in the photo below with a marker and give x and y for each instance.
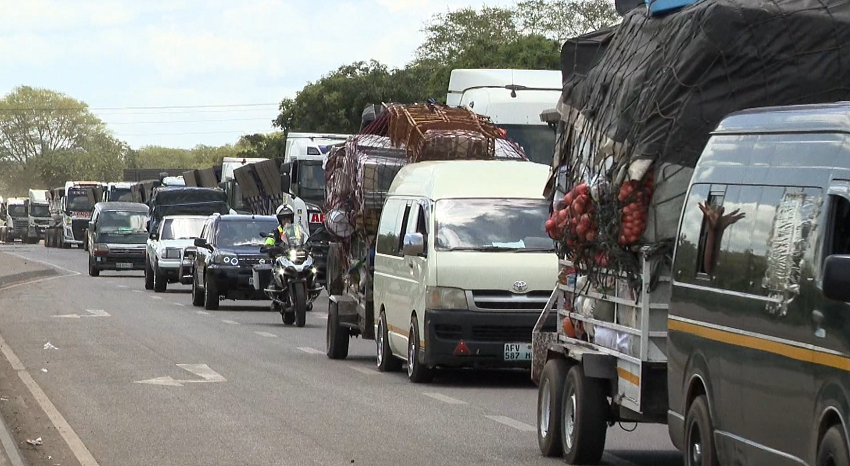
(485, 335)
(176, 270)
(235, 282)
(116, 262)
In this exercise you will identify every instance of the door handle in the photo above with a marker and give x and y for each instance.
(817, 317)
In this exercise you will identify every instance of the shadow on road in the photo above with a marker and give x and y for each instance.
(653, 457)
(483, 378)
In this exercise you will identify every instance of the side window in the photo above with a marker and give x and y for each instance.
(388, 228)
(689, 241)
(838, 233)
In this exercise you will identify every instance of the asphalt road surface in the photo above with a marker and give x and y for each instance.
(236, 387)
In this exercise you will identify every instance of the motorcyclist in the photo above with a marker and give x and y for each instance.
(288, 231)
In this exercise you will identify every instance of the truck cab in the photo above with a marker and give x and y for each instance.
(77, 205)
(16, 220)
(119, 192)
(514, 100)
(38, 215)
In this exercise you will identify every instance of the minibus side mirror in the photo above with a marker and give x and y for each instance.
(836, 278)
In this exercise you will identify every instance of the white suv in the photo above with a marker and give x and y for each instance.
(164, 261)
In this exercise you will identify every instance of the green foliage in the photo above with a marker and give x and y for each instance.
(200, 156)
(263, 146)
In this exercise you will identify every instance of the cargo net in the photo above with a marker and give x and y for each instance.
(640, 101)
(360, 173)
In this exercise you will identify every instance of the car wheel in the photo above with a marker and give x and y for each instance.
(416, 371)
(159, 282)
(210, 294)
(549, 397)
(337, 337)
(197, 292)
(93, 270)
(148, 275)
(699, 435)
(386, 360)
(833, 448)
(584, 417)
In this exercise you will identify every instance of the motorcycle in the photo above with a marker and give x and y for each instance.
(293, 285)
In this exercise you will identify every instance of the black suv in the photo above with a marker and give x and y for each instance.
(228, 249)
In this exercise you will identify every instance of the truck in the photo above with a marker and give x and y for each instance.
(55, 201)
(120, 191)
(230, 186)
(661, 316)
(359, 177)
(77, 202)
(16, 220)
(38, 214)
(513, 99)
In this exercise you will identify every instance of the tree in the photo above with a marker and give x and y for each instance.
(449, 34)
(44, 135)
(263, 146)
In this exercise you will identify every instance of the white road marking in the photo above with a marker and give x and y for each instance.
(320, 315)
(156, 297)
(137, 291)
(364, 370)
(513, 423)
(266, 334)
(201, 370)
(445, 399)
(8, 444)
(616, 460)
(229, 322)
(91, 313)
(203, 313)
(178, 304)
(309, 350)
(122, 286)
(78, 448)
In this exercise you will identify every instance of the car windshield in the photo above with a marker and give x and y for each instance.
(492, 225)
(39, 210)
(121, 222)
(17, 210)
(78, 203)
(237, 233)
(537, 141)
(121, 195)
(182, 228)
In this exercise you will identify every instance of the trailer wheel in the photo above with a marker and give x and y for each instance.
(699, 435)
(337, 336)
(333, 273)
(584, 410)
(549, 397)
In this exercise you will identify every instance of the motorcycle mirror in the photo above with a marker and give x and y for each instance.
(264, 234)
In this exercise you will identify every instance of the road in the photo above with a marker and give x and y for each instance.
(236, 387)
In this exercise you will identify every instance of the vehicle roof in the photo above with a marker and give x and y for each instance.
(245, 218)
(196, 217)
(121, 206)
(464, 79)
(472, 179)
(122, 184)
(16, 200)
(833, 117)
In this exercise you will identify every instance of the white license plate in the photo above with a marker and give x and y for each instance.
(251, 281)
(517, 351)
(123, 265)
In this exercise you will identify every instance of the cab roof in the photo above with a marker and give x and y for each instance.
(472, 179)
(246, 218)
(833, 118)
(121, 206)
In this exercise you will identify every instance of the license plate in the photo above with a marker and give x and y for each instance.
(517, 351)
(251, 281)
(123, 265)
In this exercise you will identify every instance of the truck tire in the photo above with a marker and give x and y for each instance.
(300, 301)
(93, 270)
(159, 281)
(210, 294)
(584, 409)
(333, 271)
(86, 241)
(337, 336)
(197, 292)
(148, 275)
(386, 360)
(549, 397)
(699, 435)
(416, 371)
(833, 448)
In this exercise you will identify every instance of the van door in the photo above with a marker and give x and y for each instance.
(416, 269)
(389, 274)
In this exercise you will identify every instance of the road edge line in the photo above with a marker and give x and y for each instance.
(78, 448)
(8, 445)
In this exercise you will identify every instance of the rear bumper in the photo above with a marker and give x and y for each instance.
(484, 333)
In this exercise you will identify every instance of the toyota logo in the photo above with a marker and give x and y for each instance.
(520, 287)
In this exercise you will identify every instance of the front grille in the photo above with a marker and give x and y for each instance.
(250, 261)
(20, 228)
(507, 301)
(448, 331)
(125, 252)
(502, 333)
(79, 227)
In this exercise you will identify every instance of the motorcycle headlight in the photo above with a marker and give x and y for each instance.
(171, 253)
(438, 297)
(292, 255)
(226, 259)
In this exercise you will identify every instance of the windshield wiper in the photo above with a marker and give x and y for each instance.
(536, 250)
(486, 249)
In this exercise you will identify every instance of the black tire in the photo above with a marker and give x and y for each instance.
(210, 294)
(63, 243)
(416, 371)
(300, 302)
(288, 317)
(148, 275)
(832, 450)
(197, 292)
(337, 336)
(47, 238)
(699, 435)
(159, 281)
(584, 407)
(86, 241)
(549, 406)
(93, 270)
(333, 270)
(386, 360)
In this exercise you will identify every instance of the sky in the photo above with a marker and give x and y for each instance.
(184, 72)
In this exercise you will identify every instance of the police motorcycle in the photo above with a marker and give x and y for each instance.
(293, 284)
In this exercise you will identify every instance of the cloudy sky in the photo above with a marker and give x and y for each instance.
(136, 62)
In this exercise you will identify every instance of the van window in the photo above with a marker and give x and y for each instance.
(389, 227)
(839, 226)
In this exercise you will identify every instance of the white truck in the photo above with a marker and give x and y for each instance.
(38, 215)
(77, 204)
(229, 184)
(121, 191)
(514, 100)
(16, 220)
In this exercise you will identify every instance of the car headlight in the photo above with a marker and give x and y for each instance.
(171, 253)
(101, 248)
(226, 259)
(438, 297)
